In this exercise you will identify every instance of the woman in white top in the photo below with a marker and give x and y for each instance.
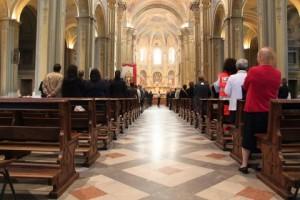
(234, 85)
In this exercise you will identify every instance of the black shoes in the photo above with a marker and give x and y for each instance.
(244, 170)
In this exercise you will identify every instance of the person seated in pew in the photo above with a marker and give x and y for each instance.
(183, 92)
(53, 82)
(190, 90)
(233, 88)
(95, 87)
(118, 88)
(72, 85)
(261, 85)
(132, 91)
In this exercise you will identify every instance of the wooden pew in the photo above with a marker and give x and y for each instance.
(116, 115)
(104, 120)
(280, 148)
(224, 129)
(175, 105)
(200, 113)
(53, 137)
(236, 152)
(211, 118)
(84, 122)
(124, 114)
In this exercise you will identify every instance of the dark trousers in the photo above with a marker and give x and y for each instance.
(254, 123)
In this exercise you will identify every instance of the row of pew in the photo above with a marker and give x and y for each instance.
(279, 146)
(47, 138)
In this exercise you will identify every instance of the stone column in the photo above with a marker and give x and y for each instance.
(186, 52)
(121, 10)
(272, 16)
(192, 75)
(9, 39)
(57, 18)
(100, 57)
(111, 46)
(130, 45)
(196, 11)
(282, 36)
(227, 41)
(206, 36)
(217, 44)
(182, 60)
(266, 16)
(124, 45)
(237, 37)
(42, 42)
(85, 43)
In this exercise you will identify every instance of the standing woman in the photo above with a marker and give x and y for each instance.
(72, 85)
(229, 68)
(95, 87)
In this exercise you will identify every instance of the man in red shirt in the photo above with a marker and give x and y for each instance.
(262, 84)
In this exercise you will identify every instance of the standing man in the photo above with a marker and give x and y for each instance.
(53, 82)
(201, 91)
(284, 90)
(262, 85)
(158, 99)
(233, 88)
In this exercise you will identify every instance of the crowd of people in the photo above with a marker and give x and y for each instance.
(257, 85)
(74, 85)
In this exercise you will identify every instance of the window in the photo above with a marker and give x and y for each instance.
(157, 56)
(143, 55)
(292, 58)
(172, 55)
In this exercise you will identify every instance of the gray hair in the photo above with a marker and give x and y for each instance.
(242, 64)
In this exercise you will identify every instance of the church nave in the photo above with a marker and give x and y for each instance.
(162, 157)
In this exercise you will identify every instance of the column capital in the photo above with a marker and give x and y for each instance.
(195, 6)
(112, 4)
(122, 5)
(185, 31)
(102, 38)
(85, 17)
(130, 30)
(206, 3)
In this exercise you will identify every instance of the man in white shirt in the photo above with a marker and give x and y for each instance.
(234, 85)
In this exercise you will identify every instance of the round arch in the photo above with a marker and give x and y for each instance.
(100, 20)
(18, 7)
(218, 21)
(296, 3)
(157, 5)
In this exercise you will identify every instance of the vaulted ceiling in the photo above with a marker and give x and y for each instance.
(150, 17)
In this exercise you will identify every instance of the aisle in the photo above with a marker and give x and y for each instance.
(161, 157)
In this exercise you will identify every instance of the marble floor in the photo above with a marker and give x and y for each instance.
(161, 157)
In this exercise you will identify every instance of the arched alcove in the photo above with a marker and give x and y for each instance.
(293, 19)
(27, 49)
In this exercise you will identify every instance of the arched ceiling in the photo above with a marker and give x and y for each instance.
(295, 3)
(149, 17)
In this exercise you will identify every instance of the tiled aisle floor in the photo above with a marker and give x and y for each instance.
(161, 157)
